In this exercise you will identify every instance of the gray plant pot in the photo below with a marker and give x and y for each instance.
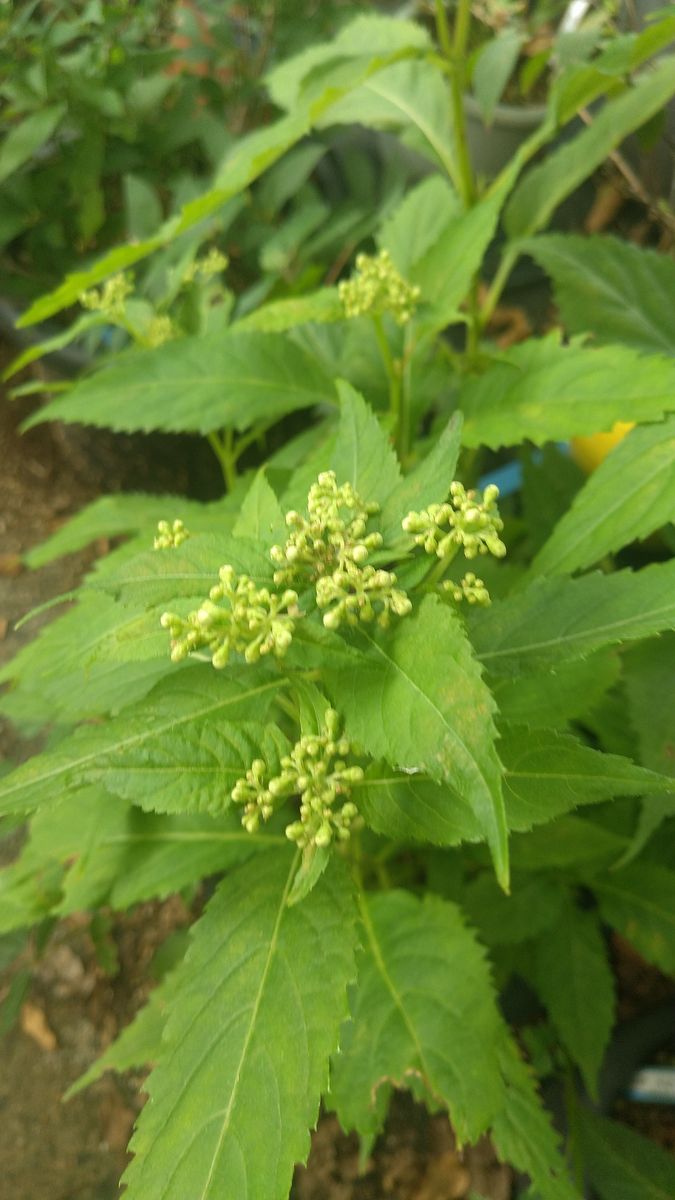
(492, 146)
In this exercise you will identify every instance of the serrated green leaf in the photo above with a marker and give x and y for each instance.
(532, 906)
(631, 494)
(522, 1132)
(230, 1108)
(573, 978)
(428, 483)
(155, 578)
(619, 292)
(260, 518)
(99, 688)
(445, 273)
(418, 700)
(551, 479)
(57, 341)
(543, 391)
(125, 514)
(639, 901)
(418, 222)
(422, 1006)
(362, 454)
(91, 848)
(556, 620)
(546, 185)
(649, 671)
(381, 34)
(492, 69)
(138, 1045)
(418, 810)
(549, 699)
(409, 98)
(181, 724)
(571, 843)
(197, 385)
(547, 773)
(622, 1164)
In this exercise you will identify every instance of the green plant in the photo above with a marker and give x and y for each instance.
(411, 795)
(111, 116)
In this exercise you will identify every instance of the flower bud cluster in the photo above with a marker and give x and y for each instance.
(170, 535)
(111, 300)
(360, 594)
(159, 330)
(213, 263)
(316, 772)
(469, 521)
(331, 547)
(377, 288)
(470, 588)
(253, 622)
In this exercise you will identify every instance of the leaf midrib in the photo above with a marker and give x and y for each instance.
(273, 945)
(567, 639)
(135, 739)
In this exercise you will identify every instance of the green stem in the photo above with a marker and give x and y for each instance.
(455, 50)
(394, 377)
(438, 570)
(223, 448)
(497, 286)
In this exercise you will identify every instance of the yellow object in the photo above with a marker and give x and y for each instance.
(589, 452)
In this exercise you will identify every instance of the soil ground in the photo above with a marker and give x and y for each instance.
(74, 1006)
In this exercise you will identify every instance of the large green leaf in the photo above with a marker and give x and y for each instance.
(378, 33)
(572, 843)
(423, 1006)
(255, 1013)
(410, 99)
(619, 292)
(138, 1045)
(639, 901)
(631, 494)
(445, 273)
(27, 136)
(125, 514)
(547, 773)
(573, 977)
(622, 1164)
(549, 699)
(362, 453)
(418, 221)
(155, 578)
(532, 906)
(546, 185)
(178, 739)
(91, 848)
(522, 1131)
(554, 620)
(417, 699)
(428, 483)
(260, 517)
(197, 385)
(410, 809)
(649, 670)
(543, 391)
(279, 315)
